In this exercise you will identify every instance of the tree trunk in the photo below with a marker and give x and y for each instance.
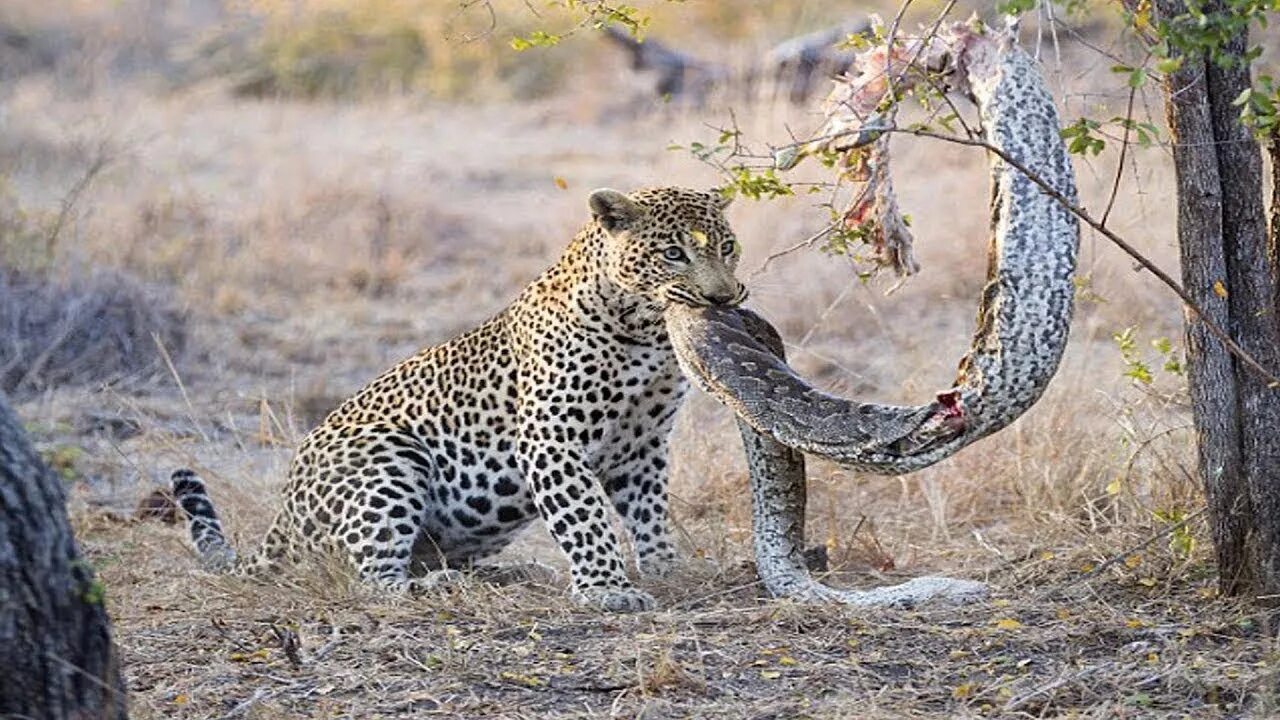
(1252, 275)
(1230, 270)
(56, 656)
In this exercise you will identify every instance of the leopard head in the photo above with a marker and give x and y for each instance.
(671, 245)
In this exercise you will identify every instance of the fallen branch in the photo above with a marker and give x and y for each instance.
(802, 61)
(679, 74)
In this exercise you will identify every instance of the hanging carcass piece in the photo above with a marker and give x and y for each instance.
(1023, 318)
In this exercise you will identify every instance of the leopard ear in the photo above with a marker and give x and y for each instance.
(721, 196)
(613, 210)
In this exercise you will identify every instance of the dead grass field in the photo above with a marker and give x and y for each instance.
(312, 244)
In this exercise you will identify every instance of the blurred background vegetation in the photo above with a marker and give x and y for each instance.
(345, 49)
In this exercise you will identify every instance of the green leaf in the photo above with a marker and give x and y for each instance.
(1015, 7)
(537, 38)
(757, 186)
(1125, 341)
(854, 41)
(1081, 139)
(1139, 371)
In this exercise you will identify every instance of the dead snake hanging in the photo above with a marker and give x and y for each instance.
(1023, 314)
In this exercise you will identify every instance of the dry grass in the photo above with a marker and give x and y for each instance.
(313, 244)
(1047, 645)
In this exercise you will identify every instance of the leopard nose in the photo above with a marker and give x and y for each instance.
(721, 298)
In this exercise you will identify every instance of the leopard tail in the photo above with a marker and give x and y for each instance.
(216, 554)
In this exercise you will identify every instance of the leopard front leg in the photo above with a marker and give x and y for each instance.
(572, 502)
(637, 485)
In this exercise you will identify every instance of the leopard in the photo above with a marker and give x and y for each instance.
(560, 408)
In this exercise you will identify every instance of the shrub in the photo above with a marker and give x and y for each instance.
(335, 55)
(321, 49)
(99, 328)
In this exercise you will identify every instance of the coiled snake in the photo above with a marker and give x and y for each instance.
(1023, 319)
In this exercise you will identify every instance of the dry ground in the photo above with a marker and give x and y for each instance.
(314, 244)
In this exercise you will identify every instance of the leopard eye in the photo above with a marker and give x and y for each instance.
(728, 247)
(673, 253)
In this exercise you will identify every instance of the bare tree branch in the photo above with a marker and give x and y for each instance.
(1080, 212)
(1124, 150)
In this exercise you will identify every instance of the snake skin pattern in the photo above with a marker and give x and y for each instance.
(1023, 319)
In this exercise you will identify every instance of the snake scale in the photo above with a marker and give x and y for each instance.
(1023, 318)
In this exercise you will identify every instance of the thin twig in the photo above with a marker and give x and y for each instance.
(465, 7)
(822, 317)
(1133, 456)
(889, 40)
(173, 371)
(790, 249)
(100, 161)
(72, 668)
(1124, 149)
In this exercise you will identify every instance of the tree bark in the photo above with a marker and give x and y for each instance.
(1210, 371)
(1273, 241)
(1230, 271)
(1251, 284)
(56, 656)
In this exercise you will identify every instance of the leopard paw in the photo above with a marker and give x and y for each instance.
(436, 580)
(657, 565)
(614, 599)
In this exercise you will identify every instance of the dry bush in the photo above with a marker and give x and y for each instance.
(334, 54)
(63, 325)
(325, 240)
(100, 328)
(23, 51)
(327, 49)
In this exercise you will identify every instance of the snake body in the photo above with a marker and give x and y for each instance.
(1023, 319)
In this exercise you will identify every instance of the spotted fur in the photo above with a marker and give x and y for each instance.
(558, 407)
